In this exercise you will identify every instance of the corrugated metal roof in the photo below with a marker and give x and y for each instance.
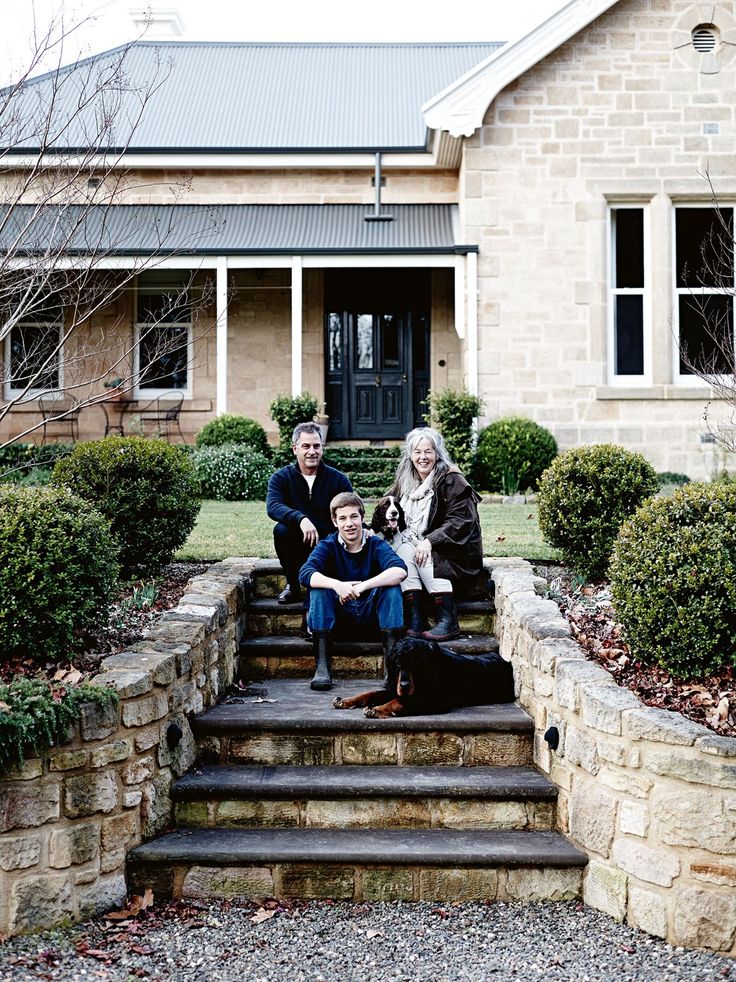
(260, 97)
(231, 229)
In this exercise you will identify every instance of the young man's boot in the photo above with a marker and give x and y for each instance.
(322, 680)
(393, 636)
(447, 626)
(413, 613)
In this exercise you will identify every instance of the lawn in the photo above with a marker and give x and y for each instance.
(242, 528)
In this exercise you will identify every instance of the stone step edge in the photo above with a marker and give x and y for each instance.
(285, 645)
(355, 723)
(371, 847)
(337, 781)
(269, 605)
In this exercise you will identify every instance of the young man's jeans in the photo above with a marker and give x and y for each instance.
(380, 608)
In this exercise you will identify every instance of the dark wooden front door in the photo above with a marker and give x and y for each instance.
(377, 366)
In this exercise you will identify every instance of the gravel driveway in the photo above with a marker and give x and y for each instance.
(326, 942)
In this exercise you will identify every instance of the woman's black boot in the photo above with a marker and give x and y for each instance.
(322, 680)
(447, 626)
(414, 618)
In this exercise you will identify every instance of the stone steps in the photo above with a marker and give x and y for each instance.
(359, 864)
(291, 657)
(365, 797)
(293, 798)
(268, 618)
(301, 727)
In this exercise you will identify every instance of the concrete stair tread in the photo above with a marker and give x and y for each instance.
(285, 645)
(416, 847)
(297, 708)
(236, 781)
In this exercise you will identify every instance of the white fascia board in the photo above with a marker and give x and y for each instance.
(459, 109)
(232, 161)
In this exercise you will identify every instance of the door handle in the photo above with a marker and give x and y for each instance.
(404, 377)
(378, 381)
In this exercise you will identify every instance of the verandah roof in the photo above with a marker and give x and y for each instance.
(127, 230)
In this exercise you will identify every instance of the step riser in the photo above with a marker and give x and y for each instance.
(272, 625)
(410, 749)
(358, 813)
(359, 883)
(302, 666)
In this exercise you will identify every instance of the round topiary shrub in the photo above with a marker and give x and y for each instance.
(288, 411)
(673, 580)
(584, 498)
(146, 488)
(229, 428)
(512, 454)
(58, 566)
(232, 473)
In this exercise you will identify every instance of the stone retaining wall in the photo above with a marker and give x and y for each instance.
(68, 819)
(649, 795)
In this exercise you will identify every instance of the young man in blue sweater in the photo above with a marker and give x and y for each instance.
(353, 582)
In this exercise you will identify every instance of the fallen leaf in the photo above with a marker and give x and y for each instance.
(132, 909)
(262, 915)
(373, 934)
(722, 708)
(500, 538)
(261, 699)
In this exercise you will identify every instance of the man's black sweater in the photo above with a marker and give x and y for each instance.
(289, 500)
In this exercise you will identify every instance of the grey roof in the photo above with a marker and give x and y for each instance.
(231, 229)
(228, 97)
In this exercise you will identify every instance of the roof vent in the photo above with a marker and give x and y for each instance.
(705, 38)
(157, 23)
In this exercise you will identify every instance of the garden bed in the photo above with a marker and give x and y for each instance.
(710, 701)
(136, 608)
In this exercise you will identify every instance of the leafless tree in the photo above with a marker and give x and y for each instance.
(707, 344)
(63, 219)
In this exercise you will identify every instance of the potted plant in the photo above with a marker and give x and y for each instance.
(323, 421)
(116, 387)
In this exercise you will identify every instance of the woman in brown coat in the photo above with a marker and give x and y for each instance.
(442, 545)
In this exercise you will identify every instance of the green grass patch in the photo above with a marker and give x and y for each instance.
(242, 528)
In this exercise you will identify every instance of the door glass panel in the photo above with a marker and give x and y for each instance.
(334, 342)
(390, 341)
(365, 357)
(419, 343)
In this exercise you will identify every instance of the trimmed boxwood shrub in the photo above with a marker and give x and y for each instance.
(452, 413)
(146, 488)
(584, 498)
(512, 454)
(673, 580)
(229, 428)
(58, 567)
(232, 473)
(288, 411)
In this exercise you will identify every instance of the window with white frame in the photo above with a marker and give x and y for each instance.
(163, 332)
(33, 356)
(628, 336)
(704, 291)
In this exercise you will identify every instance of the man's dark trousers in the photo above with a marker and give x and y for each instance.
(292, 551)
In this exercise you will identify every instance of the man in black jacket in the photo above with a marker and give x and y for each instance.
(298, 500)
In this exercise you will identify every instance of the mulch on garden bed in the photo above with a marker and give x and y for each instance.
(710, 701)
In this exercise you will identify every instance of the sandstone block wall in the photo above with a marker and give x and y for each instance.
(67, 819)
(617, 114)
(649, 795)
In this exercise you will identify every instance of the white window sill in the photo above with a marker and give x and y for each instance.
(647, 392)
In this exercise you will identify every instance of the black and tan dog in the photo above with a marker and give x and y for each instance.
(388, 519)
(424, 678)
